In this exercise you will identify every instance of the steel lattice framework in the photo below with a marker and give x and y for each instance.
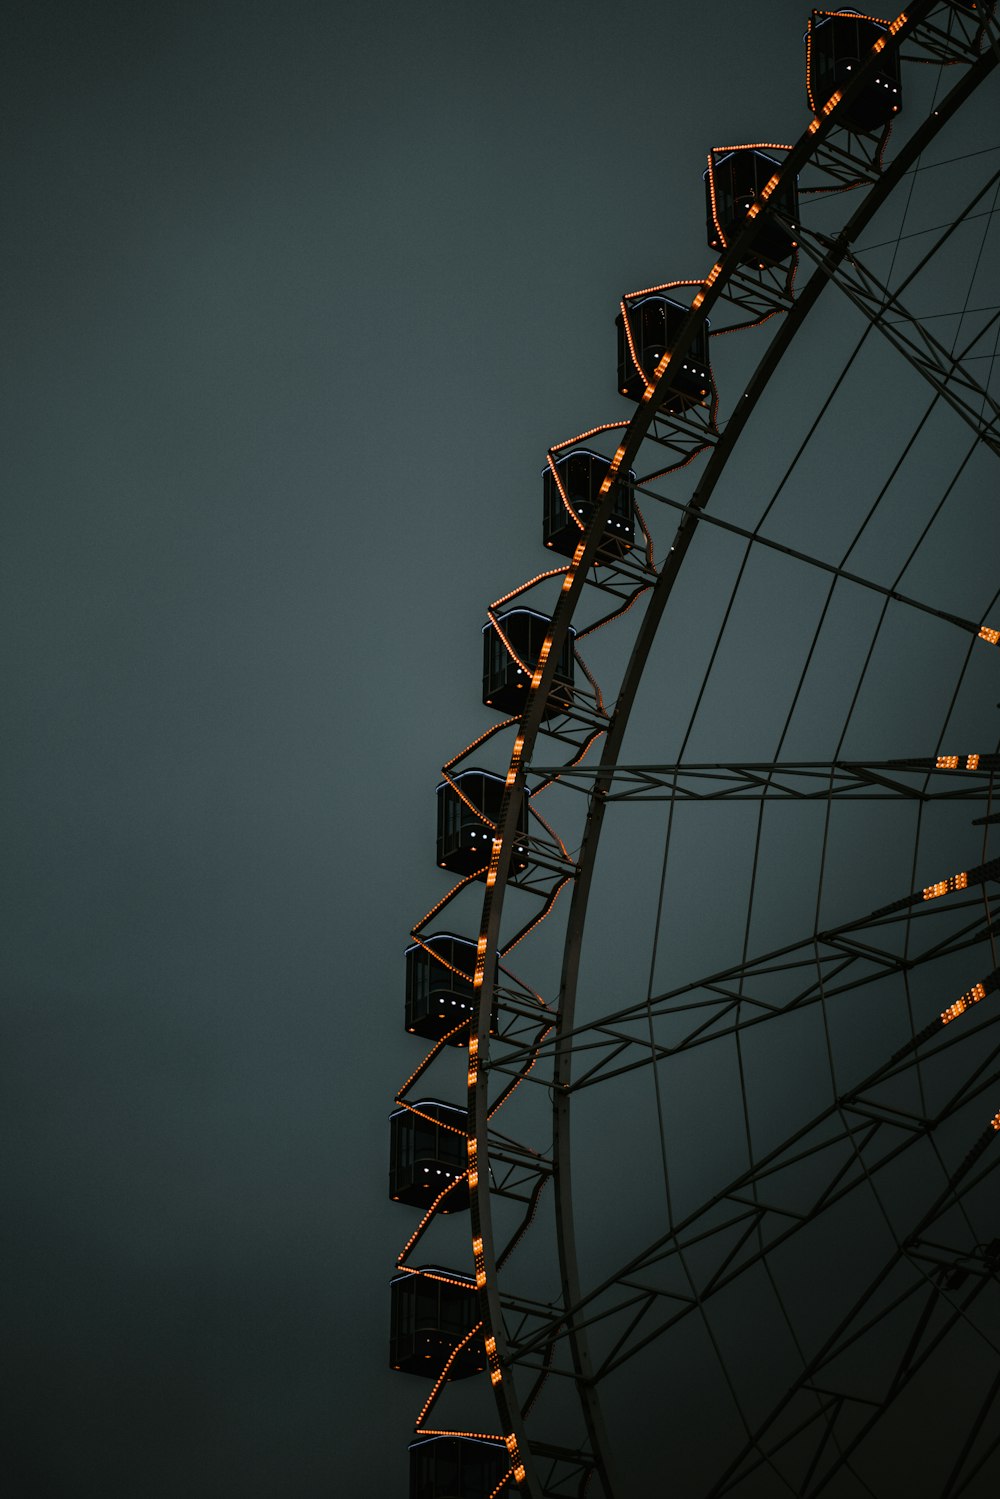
(926, 1279)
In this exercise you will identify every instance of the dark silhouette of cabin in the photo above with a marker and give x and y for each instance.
(464, 839)
(838, 44)
(427, 1151)
(432, 1312)
(458, 1468)
(437, 998)
(654, 323)
(581, 474)
(733, 182)
(505, 682)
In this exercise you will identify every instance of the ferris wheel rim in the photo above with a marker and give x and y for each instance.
(637, 429)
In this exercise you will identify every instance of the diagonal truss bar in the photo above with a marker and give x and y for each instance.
(739, 1206)
(825, 957)
(757, 538)
(846, 1333)
(968, 29)
(971, 779)
(907, 334)
(693, 511)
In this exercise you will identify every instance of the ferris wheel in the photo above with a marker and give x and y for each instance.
(711, 1078)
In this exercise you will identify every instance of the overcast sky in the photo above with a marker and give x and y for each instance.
(295, 298)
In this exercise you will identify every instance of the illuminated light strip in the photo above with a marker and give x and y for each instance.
(465, 880)
(488, 734)
(548, 827)
(429, 1118)
(444, 963)
(613, 466)
(953, 762)
(664, 361)
(757, 322)
(458, 972)
(418, 1232)
(580, 755)
(647, 537)
(995, 1121)
(706, 285)
(557, 447)
(491, 878)
(428, 1059)
(992, 637)
(673, 468)
(945, 887)
(809, 92)
(510, 1473)
(477, 977)
(515, 1457)
(713, 410)
(752, 146)
(517, 1081)
(479, 1260)
(631, 344)
(476, 812)
(544, 653)
(445, 1280)
(533, 993)
(439, 1383)
(509, 648)
(515, 760)
(858, 15)
(562, 492)
(832, 102)
(970, 997)
(553, 572)
(648, 291)
(598, 698)
(479, 1436)
(536, 1197)
(550, 901)
(712, 201)
(617, 613)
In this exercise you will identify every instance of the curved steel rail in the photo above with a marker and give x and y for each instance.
(572, 589)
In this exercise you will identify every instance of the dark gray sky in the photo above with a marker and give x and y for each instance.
(295, 298)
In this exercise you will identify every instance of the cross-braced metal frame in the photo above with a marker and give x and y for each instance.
(909, 1099)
